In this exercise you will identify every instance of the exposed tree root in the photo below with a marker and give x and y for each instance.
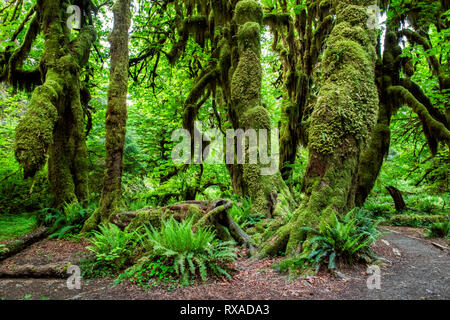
(51, 270)
(15, 246)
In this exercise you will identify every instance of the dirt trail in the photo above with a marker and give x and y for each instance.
(418, 271)
(423, 272)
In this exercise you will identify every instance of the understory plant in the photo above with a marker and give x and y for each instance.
(242, 215)
(66, 222)
(438, 230)
(148, 272)
(189, 253)
(112, 248)
(347, 240)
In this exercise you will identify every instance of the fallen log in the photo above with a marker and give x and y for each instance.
(15, 246)
(214, 214)
(51, 270)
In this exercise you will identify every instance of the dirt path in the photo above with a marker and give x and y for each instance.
(418, 271)
(423, 272)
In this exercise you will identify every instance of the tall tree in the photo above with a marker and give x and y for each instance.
(341, 123)
(116, 116)
(54, 123)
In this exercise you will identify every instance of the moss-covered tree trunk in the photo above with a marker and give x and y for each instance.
(341, 123)
(270, 195)
(116, 116)
(54, 122)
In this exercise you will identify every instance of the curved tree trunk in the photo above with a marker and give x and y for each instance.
(270, 195)
(116, 117)
(54, 122)
(341, 124)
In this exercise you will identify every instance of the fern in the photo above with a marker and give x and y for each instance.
(112, 247)
(190, 253)
(348, 240)
(438, 230)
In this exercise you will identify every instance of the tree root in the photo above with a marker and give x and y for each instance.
(51, 270)
(15, 246)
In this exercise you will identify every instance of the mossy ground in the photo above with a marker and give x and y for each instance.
(16, 225)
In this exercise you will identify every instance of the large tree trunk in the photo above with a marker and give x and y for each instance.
(116, 116)
(270, 195)
(341, 124)
(54, 122)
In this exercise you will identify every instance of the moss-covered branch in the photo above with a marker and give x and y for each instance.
(437, 128)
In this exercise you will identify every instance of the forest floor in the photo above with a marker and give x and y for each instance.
(418, 270)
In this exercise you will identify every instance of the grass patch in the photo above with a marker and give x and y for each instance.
(16, 225)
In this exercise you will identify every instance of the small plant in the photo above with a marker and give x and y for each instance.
(113, 249)
(148, 273)
(189, 253)
(67, 222)
(2, 248)
(242, 214)
(378, 209)
(438, 230)
(348, 240)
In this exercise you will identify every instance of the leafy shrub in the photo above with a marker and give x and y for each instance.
(379, 209)
(348, 240)
(18, 195)
(148, 273)
(66, 222)
(428, 204)
(438, 230)
(113, 249)
(189, 253)
(242, 214)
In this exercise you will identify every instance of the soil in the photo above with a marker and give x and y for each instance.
(414, 268)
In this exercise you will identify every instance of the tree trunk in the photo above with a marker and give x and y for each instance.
(341, 123)
(54, 122)
(398, 198)
(270, 195)
(116, 117)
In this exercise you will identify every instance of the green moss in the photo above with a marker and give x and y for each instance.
(16, 225)
(248, 10)
(148, 217)
(416, 220)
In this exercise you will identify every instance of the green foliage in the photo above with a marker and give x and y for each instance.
(242, 215)
(412, 219)
(67, 222)
(112, 248)
(438, 230)
(347, 241)
(190, 253)
(148, 274)
(12, 226)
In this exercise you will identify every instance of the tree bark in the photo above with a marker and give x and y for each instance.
(54, 122)
(116, 117)
(341, 123)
